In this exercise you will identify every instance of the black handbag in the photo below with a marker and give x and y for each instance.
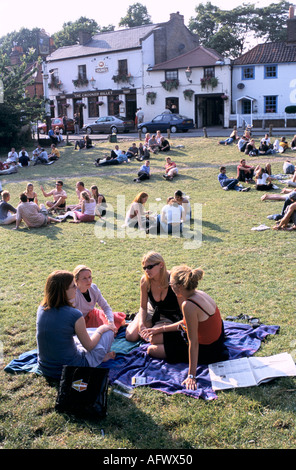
(83, 391)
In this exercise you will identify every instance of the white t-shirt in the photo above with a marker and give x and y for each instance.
(263, 179)
(173, 214)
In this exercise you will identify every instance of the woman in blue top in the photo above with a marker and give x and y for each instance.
(57, 325)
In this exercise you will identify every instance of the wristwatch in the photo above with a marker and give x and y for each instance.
(190, 376)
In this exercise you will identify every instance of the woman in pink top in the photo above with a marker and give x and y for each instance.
(88, 209)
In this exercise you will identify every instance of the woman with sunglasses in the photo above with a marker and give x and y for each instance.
(158, 303)
(199, 337)
(57, 324)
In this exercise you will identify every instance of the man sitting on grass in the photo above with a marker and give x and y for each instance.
(32, 214)
(144, 172)
(59, 197)
(229, 183)
(55, 153)
(7, 211)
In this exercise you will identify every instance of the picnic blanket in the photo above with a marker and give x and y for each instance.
(241, 340)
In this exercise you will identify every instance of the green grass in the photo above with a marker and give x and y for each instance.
(245, 272)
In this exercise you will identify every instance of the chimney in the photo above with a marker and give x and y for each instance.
(291, 25)
(84, 37)
(15, 56)
(177, 16)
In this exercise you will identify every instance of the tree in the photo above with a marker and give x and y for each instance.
(25, 38)
(17, 108)
(228, 31)
(137, 15)
(69, 35)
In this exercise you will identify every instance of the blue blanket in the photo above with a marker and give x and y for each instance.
(241, 340)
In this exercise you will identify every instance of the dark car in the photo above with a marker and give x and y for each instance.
(57, 122)
(109, 124)
(165, 121)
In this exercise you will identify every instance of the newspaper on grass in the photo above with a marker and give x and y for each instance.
(250, 371)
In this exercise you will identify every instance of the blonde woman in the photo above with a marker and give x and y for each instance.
(30, 193)
(88, 207)
(88, 297)
(199, 337)
(158, 303)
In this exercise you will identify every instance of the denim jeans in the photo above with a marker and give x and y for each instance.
(231, 183)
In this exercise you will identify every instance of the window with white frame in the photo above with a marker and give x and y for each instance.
(248, 73)
(209, 72)
(171, 74)
(82, 72)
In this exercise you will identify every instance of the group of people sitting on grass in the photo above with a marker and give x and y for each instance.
(247, 144)
(180, 322)
(89, 205)
(23, 159)
(152, 145)
(170, 220)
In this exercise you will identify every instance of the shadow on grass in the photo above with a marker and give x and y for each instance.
(125, 422)
(49, 231)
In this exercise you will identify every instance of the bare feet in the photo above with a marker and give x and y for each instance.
(109, 355)
(263, 197)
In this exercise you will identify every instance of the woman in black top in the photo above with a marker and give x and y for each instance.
(158, 303)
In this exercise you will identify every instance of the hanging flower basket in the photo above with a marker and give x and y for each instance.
(150, 96)
(54, 83)
(169, 85)
(121, 77)
(66, 105)
(209, 81)
(188, 94)
(100, 103)
(80, 82)
(225, 97)
(117, 101)
(80, 103)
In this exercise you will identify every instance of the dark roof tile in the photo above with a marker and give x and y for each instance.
(268, 53)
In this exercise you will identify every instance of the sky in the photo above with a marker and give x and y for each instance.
(51, 16)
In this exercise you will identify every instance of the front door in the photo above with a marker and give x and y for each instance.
(209, 111)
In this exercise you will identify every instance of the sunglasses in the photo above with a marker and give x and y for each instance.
(150, 266)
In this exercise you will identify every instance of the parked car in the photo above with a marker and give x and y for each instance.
(162, 122)
(57, 122)
(110, 124)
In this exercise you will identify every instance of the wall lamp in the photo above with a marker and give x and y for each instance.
(92, 82)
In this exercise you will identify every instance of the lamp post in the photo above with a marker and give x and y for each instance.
(45, 92)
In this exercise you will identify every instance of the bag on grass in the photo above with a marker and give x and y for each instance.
(83, 391)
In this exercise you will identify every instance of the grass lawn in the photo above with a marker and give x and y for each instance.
(245, 272)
